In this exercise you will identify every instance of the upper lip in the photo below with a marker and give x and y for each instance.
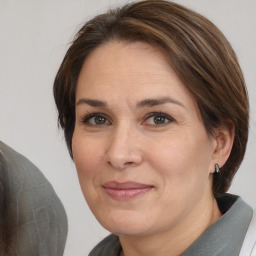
(125, 185)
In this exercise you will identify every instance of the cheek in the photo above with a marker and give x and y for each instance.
(182, 161)
(87, 157)
(88, 160)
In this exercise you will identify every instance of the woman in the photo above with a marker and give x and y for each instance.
(155, 114)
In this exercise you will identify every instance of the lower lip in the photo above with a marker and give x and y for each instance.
(126, 194)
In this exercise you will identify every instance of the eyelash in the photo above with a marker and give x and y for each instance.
(85, 120)
(161, 115)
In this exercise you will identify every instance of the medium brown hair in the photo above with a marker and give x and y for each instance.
(198, 52)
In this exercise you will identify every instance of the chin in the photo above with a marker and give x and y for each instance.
(124, 223)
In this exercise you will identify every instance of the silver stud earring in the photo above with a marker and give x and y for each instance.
(217, 168)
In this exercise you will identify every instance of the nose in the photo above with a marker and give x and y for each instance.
(123, 149)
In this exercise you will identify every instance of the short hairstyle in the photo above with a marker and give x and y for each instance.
(197, 51)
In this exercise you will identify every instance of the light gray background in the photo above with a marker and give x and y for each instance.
(34, 36)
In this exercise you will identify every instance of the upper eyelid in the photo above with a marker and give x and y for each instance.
(88, 116)
(160, 114)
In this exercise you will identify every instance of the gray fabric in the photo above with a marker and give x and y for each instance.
(223, 238)
(249, 244)
(33, 221)
(110, 246)
(226, 236)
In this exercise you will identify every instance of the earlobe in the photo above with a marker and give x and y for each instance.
(224, 137)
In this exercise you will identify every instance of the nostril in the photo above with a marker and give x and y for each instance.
(128, 163)
(121, 166)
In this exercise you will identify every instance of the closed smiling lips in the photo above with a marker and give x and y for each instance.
(125, 190)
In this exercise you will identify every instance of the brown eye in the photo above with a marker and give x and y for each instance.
(99, 120)
(95, 119)
(158, 119)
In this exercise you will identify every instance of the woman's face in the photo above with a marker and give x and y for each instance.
(143, 156)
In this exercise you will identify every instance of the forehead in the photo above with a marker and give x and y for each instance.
(126, 57)
(129, 69)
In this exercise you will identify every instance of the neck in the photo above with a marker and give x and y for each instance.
(175, 241)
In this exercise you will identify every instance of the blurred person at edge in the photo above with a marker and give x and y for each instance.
(155, 113)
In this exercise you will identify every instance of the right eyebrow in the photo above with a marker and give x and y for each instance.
(92, 103)
(158, 101)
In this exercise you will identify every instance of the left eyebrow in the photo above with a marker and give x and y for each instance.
(158, 101)
(91, 102)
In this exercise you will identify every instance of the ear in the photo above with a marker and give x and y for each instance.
(224, 138)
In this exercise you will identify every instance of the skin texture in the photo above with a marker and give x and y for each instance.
(170, 152)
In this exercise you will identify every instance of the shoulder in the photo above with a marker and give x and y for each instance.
(109, 246)
(32, 217)
(249, 244)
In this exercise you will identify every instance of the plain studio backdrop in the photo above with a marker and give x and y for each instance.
(34, 36)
